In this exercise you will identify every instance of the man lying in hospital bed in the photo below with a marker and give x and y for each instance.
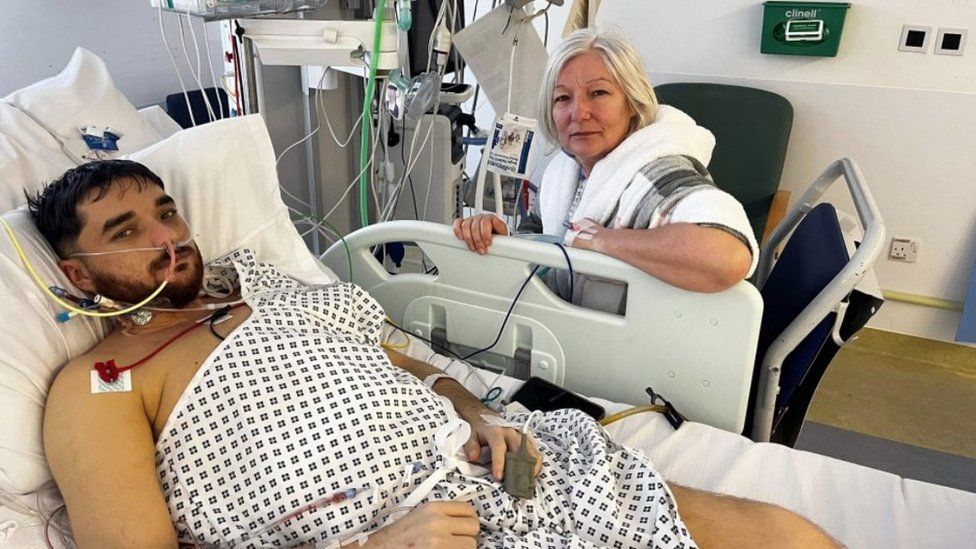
(276, 418)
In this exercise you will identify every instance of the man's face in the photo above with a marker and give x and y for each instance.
(134, 216)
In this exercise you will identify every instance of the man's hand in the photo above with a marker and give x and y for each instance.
(434, 525)
(498, 440)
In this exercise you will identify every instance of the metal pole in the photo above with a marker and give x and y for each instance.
(251, 80)
(313, 200)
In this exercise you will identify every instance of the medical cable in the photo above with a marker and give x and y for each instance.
(216, 317)
(352, 184)
(500, 331)
(572, 278)
(186, 53)
(511, 64)
(72, 310)
(162, 32)
(342, 239)
(318, 124)
(490, 396)
(205, 307)
(367, 103)
(507, 315)
(390, 208)
(422, 338)
(430, 180)
(108, 371)
(63, 509)
(632, 411)
(176, 245)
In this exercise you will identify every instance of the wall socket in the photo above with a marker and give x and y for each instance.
(904, 249)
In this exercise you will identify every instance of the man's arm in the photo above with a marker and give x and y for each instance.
(100, 449)
(498, 439)
(466, 404)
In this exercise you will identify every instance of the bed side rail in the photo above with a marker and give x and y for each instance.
(832, 295)
(696, 349)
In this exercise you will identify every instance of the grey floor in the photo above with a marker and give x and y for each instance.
(901, 404)
(904, 460)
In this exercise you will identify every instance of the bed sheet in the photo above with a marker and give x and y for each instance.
(859, 506)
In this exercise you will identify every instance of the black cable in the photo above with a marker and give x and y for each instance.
(391, 323)
(572, 279)
(507, 315)
(219, 314)
(511, 10)
(500, 331)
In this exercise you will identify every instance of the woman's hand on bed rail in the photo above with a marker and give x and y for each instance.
(476, 231)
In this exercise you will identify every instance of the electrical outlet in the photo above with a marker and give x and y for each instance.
(915, 38)
(951, 42)
(904, 249)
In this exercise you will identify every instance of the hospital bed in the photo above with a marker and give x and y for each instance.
(861, 507)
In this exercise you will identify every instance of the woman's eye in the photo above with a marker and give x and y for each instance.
(169, 215)
(601, 92)
(560, 98)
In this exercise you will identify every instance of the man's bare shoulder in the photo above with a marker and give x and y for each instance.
(72, 406)
(76, 375)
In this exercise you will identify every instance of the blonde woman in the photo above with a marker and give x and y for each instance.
(630, 179)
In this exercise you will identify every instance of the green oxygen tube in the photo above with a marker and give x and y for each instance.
(367, 101)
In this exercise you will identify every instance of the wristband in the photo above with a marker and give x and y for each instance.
(430, 380)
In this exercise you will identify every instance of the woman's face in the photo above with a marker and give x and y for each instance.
(591, 111)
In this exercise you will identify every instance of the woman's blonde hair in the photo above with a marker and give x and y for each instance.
(623, 63)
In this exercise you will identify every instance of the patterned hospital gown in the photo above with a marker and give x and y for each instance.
(300, 404)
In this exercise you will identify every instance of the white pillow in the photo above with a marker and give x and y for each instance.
(223, 179)
(81, 94)
(156, 117)
(29, 156)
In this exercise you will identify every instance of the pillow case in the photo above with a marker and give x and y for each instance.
(222, 176)
(35, 121)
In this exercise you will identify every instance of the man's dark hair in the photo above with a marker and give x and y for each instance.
(55, 208)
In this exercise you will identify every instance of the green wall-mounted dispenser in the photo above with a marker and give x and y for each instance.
(803, 28)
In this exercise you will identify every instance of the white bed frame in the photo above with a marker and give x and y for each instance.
(696, 350)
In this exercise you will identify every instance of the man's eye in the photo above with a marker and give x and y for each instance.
(168, 215)
(123, 234)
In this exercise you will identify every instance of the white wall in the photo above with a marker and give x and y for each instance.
(37, 39)
(906, 118)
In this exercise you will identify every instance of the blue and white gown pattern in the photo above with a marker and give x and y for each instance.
(300, 403)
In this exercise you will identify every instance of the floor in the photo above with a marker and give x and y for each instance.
(901, 404)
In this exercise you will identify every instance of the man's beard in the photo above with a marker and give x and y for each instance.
(177, 292)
